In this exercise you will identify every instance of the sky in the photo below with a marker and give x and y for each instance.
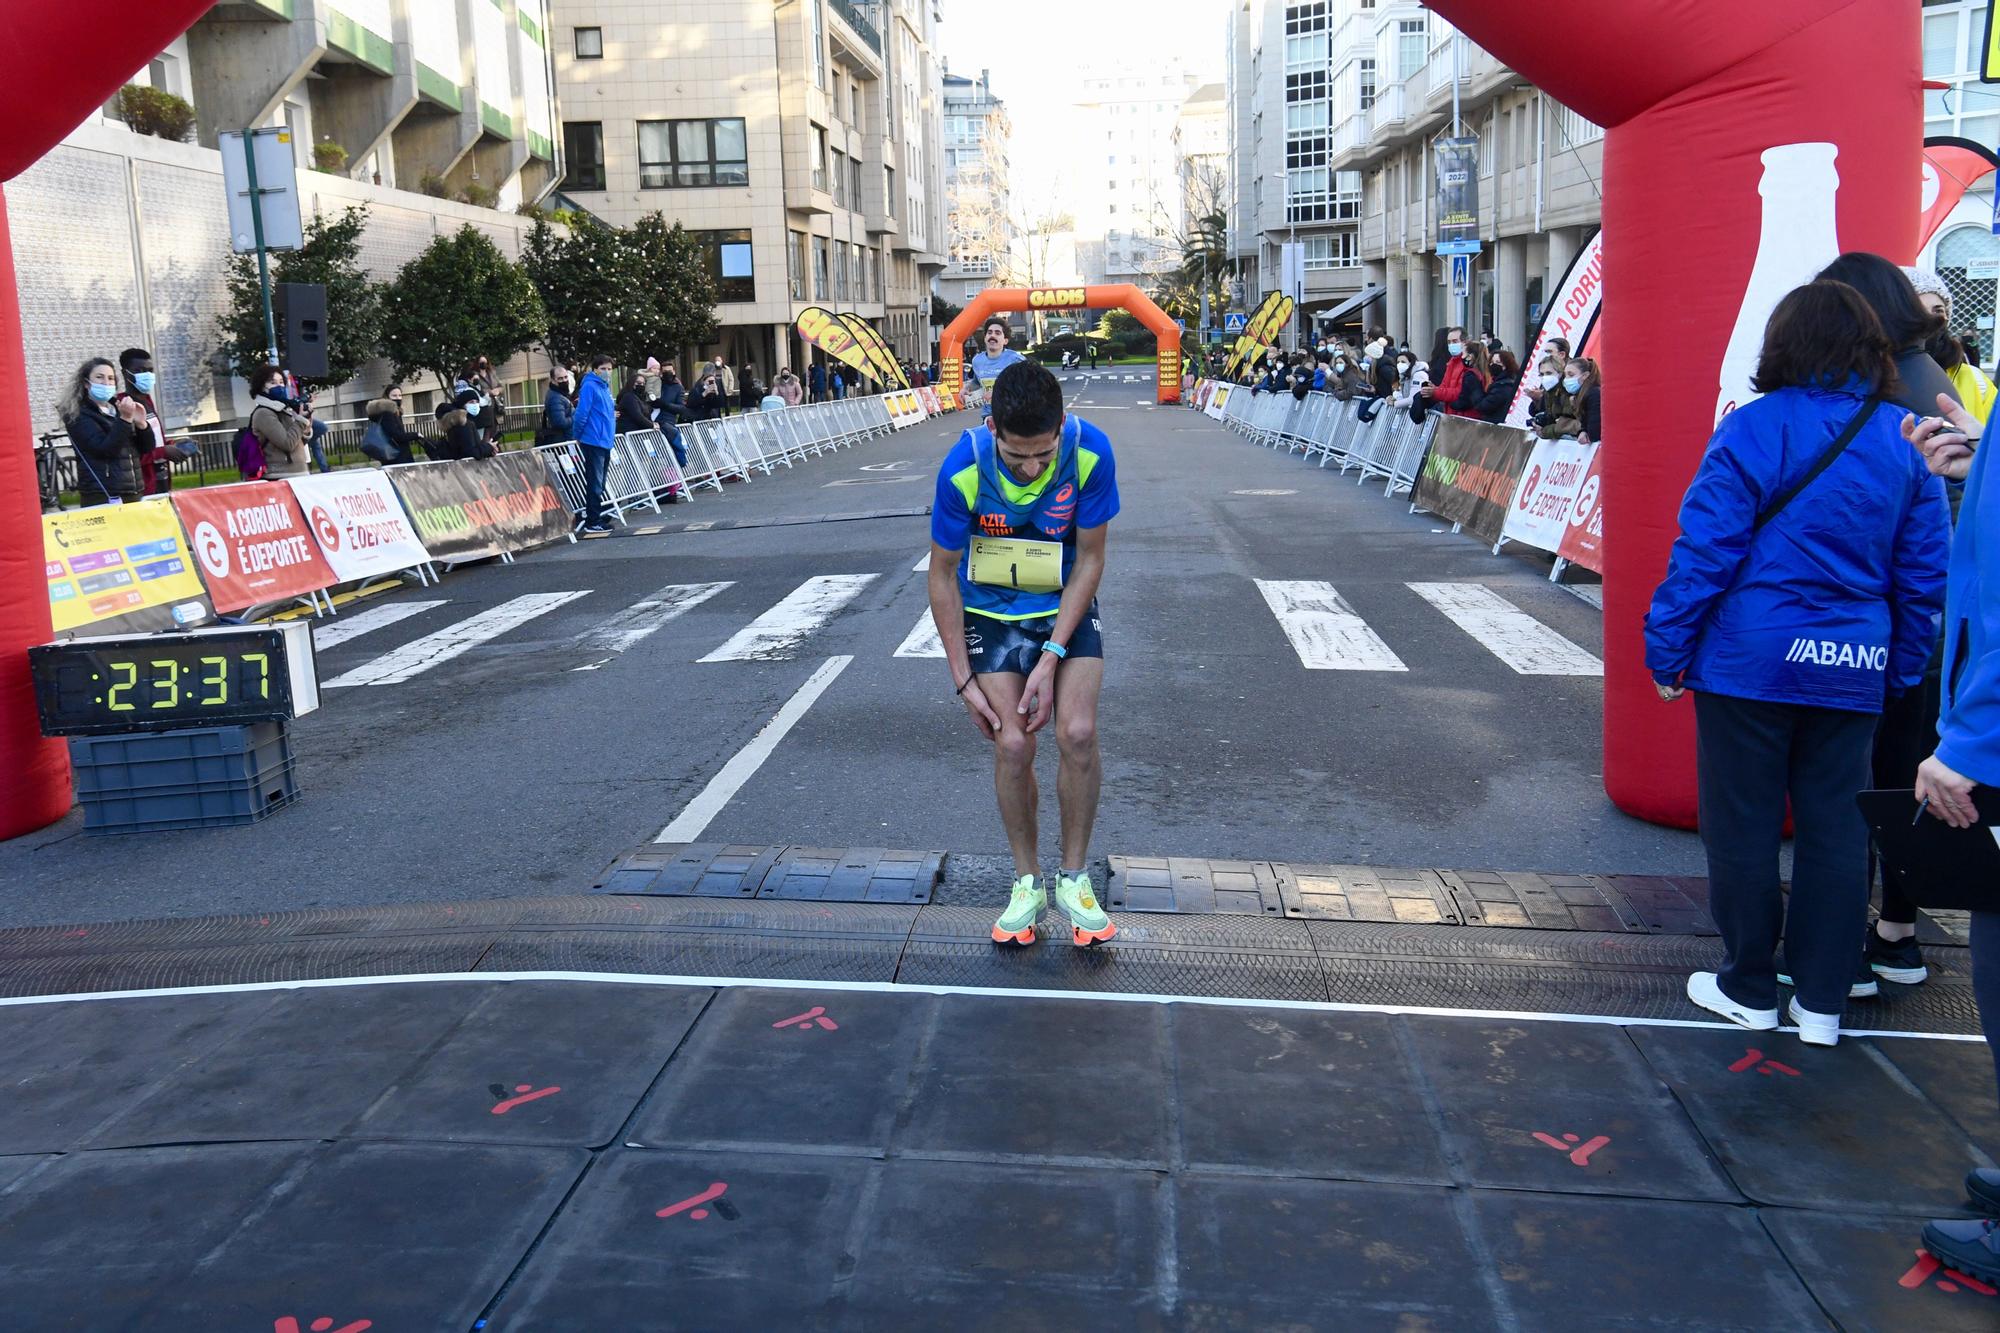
(1040, 50)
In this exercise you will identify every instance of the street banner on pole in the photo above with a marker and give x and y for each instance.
(121, 569)
(359, 523)
(886, 368)
(1571, 314)
(1470, 474)
(252, 544)
(1539, 516)
(1251, 329)
(1457, 190)
(822, 328)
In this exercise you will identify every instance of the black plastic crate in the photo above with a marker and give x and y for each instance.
(191, 756)
(200, 777)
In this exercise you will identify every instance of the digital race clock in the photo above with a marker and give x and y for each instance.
(156, 682)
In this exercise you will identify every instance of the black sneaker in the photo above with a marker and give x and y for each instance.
(1896, 960)
(1982, 1186)
(1971, 1246)
(1862, 988)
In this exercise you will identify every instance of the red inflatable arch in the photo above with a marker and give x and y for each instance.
(1694, 94)
(63, 61)
(1109, 296)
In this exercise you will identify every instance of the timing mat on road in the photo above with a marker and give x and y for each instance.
(575, 1153)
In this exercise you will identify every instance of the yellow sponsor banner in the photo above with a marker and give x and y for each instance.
(121, 567)
(885, 367)
(823, 329)
(1251, 332)
(1989, 60)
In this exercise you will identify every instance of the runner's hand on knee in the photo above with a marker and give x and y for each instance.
(1038, 699)
(982, 712)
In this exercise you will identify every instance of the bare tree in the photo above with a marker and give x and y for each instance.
(1032, 251)
(980, 228)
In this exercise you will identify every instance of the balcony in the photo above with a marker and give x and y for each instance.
(1347, 146)
(860, 21)
(1389, 113)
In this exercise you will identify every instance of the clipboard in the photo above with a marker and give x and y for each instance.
(1937, 865)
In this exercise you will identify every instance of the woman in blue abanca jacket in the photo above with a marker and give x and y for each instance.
(1803, 590)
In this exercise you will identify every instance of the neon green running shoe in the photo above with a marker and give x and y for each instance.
(1017, 924)
(1088, 922)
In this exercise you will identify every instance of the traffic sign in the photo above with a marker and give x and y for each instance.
(1468, 247)
(1461, 274)
(1235, 323)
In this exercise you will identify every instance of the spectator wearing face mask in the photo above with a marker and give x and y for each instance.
(104, 431)
(1450, 391)
(388, 441)
(596, 429)
(1505, 378)
(1344, 377)
(281, 429)
(1383, 377)
(1563, 412)
(157, 454)
(558, 411)
(635, 411)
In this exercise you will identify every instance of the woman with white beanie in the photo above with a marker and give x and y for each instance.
(1953, 355)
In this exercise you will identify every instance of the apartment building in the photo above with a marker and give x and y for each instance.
(800, 140)
(1201, 153)
(1124, 187)
(1294, 216)
(979, 204)
(409, 107)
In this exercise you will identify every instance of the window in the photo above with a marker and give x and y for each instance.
(1308, 17)
(677, 154)
(839, 179)
(818, 43)
(798, 260)
(854, 104)
(822, 289)
(590, 43)
(819, 159)
(1367, 79)
(583, 150)
(726, 256)
(891, 176)
(1308, 85)
(1572, 129)
(854, 182)
(1412, 46)
(1330, 251)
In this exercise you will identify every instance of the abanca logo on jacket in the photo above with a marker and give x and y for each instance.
(1825, 652)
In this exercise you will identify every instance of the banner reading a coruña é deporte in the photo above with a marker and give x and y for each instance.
(121, 569)
(823, 329)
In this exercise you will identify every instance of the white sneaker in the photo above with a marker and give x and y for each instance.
(1704, 991)
(1814, 1029)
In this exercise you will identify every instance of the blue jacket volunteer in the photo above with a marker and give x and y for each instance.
(1833, 604)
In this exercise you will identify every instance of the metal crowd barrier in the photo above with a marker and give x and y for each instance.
(1390, 446)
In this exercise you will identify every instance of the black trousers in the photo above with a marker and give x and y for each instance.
(1751, 756)
(1906, 737)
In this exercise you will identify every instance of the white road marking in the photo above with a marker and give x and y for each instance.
(365, 622)
(922, 565)
(1586, 592)
(640, 619)
(1509, 633)
(420, 655)
(743, 765)
(776, 635)
(923, 640)
(908, 988)
(1324, 630)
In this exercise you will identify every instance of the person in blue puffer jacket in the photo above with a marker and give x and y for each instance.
(1803, 590)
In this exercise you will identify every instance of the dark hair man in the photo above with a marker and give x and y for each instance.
(596, 432)
(1018, 539)
(986, 366)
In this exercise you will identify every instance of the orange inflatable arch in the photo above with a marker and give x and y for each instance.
(1108, 296)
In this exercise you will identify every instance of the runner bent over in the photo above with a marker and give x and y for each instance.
(1018, 535)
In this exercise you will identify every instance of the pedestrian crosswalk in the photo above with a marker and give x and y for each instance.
(1416, 626)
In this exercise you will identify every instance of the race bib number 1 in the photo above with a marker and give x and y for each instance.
(1025, 566)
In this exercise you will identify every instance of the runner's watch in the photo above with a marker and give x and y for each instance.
(1051, 646)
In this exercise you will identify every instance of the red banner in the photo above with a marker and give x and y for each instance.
(1583, 543)
(1951, 167)
(251, 544)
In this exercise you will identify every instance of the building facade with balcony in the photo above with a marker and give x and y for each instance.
(979, 223)
(1541, 173)
(1201, 154)
(800, 141)
(1286, 193)
(431, 113)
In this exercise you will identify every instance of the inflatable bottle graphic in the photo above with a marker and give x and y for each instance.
(1798, 239)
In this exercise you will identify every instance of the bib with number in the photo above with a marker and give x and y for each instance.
(1026, 566)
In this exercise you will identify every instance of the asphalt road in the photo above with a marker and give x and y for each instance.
(527, 763)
